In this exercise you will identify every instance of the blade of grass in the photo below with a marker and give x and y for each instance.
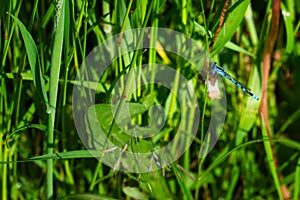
(250, 22)
(233, 20)
(34, 61)
(297, 181)
(270, 160)
(96, 153)
(179, 175)
(153, 40)
(54, 79)
(248, 115)
(287, 18)
(235, 47)
(64, 116)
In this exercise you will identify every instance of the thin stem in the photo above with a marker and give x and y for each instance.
(267, 56)
(222, 19)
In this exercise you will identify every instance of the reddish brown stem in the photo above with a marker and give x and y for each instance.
(267, 55)
(222, 19)
(266, 63)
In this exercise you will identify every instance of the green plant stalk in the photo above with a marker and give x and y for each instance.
(7, 121)
(235, 177)
(125, 18)
(79, 21)
(47, 16)
(297, 28)
(152, 51)
(297, 181)
(186, 126)
(201, 161)
(3, 103)
(64, 101)
(6, 46)
(4, 174)
(97, 172)
(270, 159)
(183, 187)
(54, 78)
(201, 139)
(14, 193)
(251, 26)
(184, 12)
(8, 41)
(107, 26)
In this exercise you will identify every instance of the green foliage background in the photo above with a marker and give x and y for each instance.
(42, 46)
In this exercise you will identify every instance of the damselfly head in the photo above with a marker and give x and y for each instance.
(212, 68)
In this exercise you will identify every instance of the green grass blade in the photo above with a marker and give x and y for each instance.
(250, 21)
(235, 47)
(270, 160)
(289, 143)
(54, 79)
(297, 181)
(233, 20)
(34, 62)
(179, 175)
(287, 18)
(66, 155)
(249, 113)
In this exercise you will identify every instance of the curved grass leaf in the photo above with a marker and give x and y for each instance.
(249, 113)
(94, 153)
(40, 127)
(34, 61)
(56, 57)
(235, 47)
(233, 20)
(287, 18)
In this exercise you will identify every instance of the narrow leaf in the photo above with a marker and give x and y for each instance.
(270, 159)
(34, 61)
(231, 24)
